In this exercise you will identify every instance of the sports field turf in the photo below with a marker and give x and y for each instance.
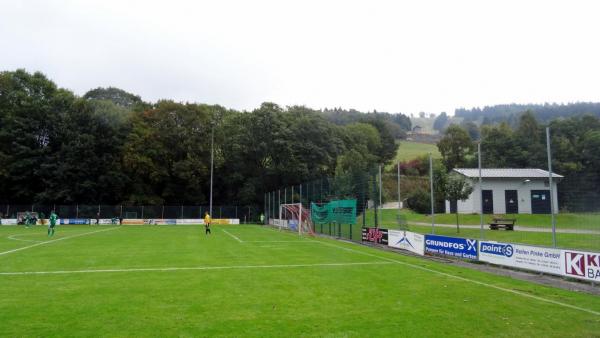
(248, 280)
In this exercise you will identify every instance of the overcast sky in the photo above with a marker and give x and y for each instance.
(391, 56)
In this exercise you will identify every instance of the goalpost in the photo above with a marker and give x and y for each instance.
(295, 217)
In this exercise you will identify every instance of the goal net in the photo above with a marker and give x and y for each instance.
(295, 217)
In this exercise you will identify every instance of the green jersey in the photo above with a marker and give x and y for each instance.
(53, 219)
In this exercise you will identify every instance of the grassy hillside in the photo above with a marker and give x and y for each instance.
(410, 150)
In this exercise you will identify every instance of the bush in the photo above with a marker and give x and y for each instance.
(419, 201)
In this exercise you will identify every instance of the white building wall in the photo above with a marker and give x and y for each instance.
(498, 186)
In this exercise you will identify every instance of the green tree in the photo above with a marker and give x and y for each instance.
(114, 95)
(32, 110)
(455, 147)
(457, 188)
(440, 122)
(167, 154)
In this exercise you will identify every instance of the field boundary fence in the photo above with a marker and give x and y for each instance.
(103, 211)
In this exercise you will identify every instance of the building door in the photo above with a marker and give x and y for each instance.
(540, 201)
(488, 201)
(453, 206)
(512, 201)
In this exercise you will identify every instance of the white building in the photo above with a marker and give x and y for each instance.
(508, 191)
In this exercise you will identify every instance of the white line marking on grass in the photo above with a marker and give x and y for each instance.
(232, 267)
(20, 239)
(454, 276)
(234, 236)
(54, 240)
(304, 242)
(467, 280)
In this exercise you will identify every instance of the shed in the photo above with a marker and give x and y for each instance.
(508, 191)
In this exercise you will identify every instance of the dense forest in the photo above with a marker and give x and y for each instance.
(510, 113)
(109, 146)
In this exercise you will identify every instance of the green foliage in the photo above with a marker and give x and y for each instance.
(398, 124)
(542, 112)
(455, 147)
(440, 122)
(115, 95)
(419, 201)
(457, 188)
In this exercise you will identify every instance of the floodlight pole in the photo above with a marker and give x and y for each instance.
(300, 213)
(380, 184)
(399, 199)
(212, 153)
(431, 190)
(552, 211)
(481, 235)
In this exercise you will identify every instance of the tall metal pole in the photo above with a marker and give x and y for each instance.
(551, 186)
(481, 233)
(212, 152)
(279, 200)
(431, 192)
(300, 212)
(380, 184)
(399, 199)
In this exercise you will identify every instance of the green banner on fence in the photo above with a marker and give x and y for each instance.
(342, 212)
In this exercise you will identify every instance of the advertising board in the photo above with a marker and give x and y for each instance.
(581, 264)
(450, 246)
(407, 240)
(74, 221)
(522, 256)
(375, 235)
(133, 221)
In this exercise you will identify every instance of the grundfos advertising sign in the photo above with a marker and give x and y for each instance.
(522, 256)
(451, 246)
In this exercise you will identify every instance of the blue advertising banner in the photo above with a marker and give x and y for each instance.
(451, 246)
(74, 221)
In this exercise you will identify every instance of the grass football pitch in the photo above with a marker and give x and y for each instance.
(247, 280)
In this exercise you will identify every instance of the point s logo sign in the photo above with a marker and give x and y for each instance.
(375, 235)
(499, 249)
(584, 265)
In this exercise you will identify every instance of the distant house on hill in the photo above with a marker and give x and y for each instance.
(417, 129)
(508, 191)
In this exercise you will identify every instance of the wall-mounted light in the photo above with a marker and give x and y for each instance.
(526, 181)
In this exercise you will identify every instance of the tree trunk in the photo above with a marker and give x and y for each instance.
(457, 228)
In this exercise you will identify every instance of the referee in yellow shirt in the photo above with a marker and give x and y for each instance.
(207, 223)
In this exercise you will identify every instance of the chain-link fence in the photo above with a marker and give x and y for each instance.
(245, 213)
(515, 204)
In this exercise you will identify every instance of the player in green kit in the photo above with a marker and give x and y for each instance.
(53, 218)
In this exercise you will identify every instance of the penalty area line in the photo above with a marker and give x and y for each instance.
(13, 237)
(52, 241)
(230, 267)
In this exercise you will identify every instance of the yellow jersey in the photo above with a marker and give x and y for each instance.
(207, 219)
